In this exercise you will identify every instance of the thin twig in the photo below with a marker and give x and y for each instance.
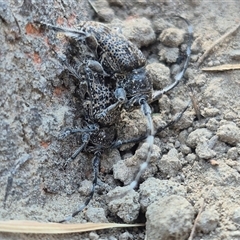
(195, 104)
(93, 7)
(221, 39)
(220, 68)
(23, 226)
(198, 216)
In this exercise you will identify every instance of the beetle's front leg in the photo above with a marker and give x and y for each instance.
(88, 129)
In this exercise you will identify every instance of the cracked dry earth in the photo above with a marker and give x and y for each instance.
(196, 159)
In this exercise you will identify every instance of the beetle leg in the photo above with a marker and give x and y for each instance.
(90, 128)
(85, 140)
(95, 165)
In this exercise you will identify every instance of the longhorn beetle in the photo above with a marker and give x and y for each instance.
(114, 79)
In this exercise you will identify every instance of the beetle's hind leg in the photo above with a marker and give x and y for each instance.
(85, 140)
(95, 165)
(88, 129)
(86, 132)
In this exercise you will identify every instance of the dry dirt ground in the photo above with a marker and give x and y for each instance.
(195, 164)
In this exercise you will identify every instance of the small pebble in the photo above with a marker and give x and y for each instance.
(229, 133)
(169, 218)
(208, 221)
(172, 37)
(123, 202)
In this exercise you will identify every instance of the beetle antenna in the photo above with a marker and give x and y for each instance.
(150, 140)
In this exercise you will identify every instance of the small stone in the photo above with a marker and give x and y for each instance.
(123, 202)
(107, 14)
(110, 159)
(202, 140)
(139, 31)
(191, 157)
(236, 215)
(185, 149)
(96, 215)
(153, 189)
(85, 187)
(160, 24)
(124, 170)
(195, 136)
(208, 221)
(212, 124)
(112, 238)
(125, 236)
(172, 37)
(159, 123)
(160, 75)
(214, 162)
(230, 115)
(169, 55)
(200, 80)
(210, 112)
(116, 3)
(197, 45)
(177, 144)
(164, 104)
(210, 63)
(170, 163)
(229, 133)
(203, 150)
(93, 236)
(128, 129)
(232, 153)
(226, 175)
(169, 218)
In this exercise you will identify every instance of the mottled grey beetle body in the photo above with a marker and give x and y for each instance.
(114, 79)
(101, 96)
(118, 57)
(114, 52)
(121, 59)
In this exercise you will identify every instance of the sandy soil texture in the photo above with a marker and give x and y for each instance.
(195, 164)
